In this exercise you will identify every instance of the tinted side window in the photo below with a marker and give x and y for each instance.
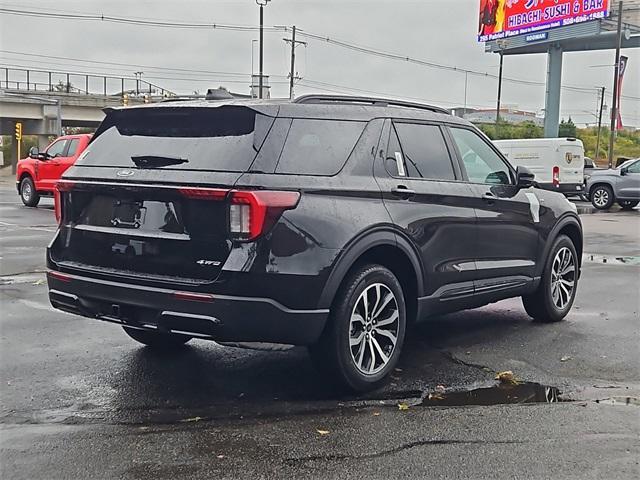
(318, 147)
(634, 167)
(425, 151)
(73, 147)
(57, 148)
(483, 165)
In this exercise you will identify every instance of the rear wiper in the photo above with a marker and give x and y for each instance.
(152, 161)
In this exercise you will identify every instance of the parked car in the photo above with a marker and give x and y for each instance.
(330, 222)
(37, 174)
(621, 185)
(557, 163)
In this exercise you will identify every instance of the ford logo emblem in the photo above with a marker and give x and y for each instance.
(125, 173)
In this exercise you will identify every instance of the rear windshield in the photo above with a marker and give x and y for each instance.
(187, 138)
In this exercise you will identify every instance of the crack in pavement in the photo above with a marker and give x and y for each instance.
(398, 449)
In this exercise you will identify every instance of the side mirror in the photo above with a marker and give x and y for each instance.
(624, 171)
(34, 153)
(525, 177)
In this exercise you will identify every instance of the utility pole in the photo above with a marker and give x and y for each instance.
(138, 78)
(499, 90)
(614, 103)
(602, 90)
(261, 3)
(294, 44)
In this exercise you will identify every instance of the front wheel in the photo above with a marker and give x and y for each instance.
(553, 299)
(28, 193)
(365, 334)
(602, 197)
(157, 340)
(628, 204)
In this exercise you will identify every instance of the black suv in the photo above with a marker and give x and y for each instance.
(331, 222)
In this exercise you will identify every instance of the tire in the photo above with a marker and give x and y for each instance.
(157, 340)
(628, 204)
(543, 305)
(602, 197)
(361, 366)
(28, 192)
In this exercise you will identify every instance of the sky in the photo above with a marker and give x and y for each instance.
(439, 31)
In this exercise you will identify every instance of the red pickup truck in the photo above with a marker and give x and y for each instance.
(37, 174)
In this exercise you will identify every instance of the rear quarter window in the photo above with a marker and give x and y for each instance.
(318, 147)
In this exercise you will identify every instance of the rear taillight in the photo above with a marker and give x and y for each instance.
(204, 193)
(61, 186)
(556, 176)
(251, 213)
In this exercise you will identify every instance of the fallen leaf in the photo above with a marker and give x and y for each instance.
(506, 377)
(435, 396)
(376, 414)
(192, 419)
(38, 282)
(403, 406)
(565, 358)
(441, 388)
(220, 456)
(323, 432)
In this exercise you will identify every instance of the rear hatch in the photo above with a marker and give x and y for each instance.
(571, 163)
(147, 199)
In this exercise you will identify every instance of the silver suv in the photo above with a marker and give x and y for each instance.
(621, 185)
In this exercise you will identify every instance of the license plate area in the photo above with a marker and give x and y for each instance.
(128, 214)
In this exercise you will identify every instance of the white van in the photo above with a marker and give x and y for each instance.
(558, 163)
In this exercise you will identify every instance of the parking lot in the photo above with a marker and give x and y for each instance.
(80, 396)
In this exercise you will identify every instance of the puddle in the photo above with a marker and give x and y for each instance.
(611, 259)
(497, 395)
(620, 401)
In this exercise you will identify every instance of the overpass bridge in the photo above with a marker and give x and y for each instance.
(46, 101)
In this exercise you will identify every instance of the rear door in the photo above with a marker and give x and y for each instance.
(507, 217)
(571, 163)
(423, 193)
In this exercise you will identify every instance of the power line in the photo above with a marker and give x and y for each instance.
(313, 36)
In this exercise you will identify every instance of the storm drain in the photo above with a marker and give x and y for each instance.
(523, 392)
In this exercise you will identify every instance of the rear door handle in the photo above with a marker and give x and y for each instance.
(403, 192)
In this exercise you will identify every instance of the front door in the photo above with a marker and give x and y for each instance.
(49, 170)
(629, 183)
(508, 218)
(423, 192)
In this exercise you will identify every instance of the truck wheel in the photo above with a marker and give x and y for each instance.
(157, 340)
(28, 192)
(553, 299)
(628, 204)
(602, 197)
(365, 333)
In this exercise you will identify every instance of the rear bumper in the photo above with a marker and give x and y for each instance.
(214, 317)
(566, 188)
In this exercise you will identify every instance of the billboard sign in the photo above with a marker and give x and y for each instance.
(507, 18)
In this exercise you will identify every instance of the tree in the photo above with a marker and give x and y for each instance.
(567, 129)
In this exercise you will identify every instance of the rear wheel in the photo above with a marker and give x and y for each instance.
(628, 204)
(602, 197)
(157, 340)
(364, 337)
(553, 299)
(28, 192)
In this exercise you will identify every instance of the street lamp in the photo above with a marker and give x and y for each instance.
(261, 3)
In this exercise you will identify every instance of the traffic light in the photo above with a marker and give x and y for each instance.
(18, 131)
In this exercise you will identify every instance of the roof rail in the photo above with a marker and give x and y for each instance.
(382, 102)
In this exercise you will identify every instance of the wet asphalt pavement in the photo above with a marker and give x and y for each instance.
(79, 399)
